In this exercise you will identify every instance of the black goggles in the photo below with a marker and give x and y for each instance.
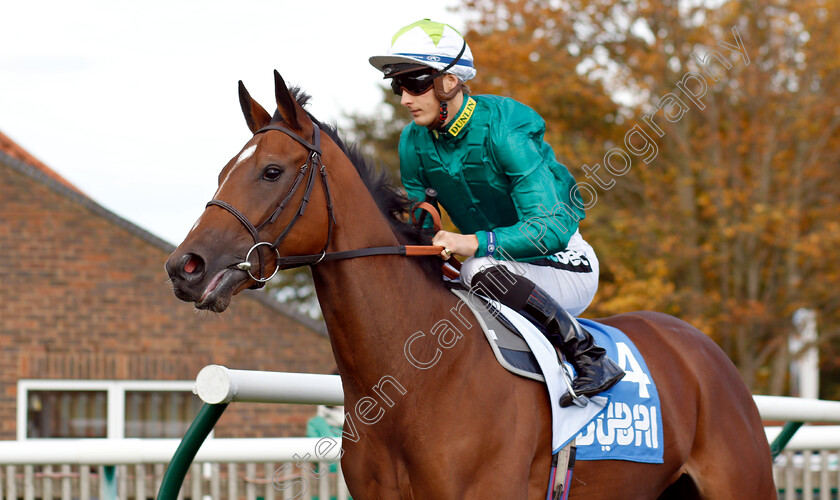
(415, 83)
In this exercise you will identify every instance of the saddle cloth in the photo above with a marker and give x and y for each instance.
(623, 423)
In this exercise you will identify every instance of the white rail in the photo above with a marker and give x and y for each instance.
(809, 437)
(269, 468)
(146, 451)
(217, 384)
(798, 409)
(206, 481)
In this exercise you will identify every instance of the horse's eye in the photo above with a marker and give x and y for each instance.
(271, 173)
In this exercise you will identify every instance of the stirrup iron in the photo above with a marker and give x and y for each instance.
(581, 400)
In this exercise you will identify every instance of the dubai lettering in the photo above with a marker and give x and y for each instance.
(623, 425)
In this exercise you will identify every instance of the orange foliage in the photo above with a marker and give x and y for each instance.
(732, 225)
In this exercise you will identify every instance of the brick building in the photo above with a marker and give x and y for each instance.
(87, 315)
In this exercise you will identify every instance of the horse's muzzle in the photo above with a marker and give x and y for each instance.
(193, 281)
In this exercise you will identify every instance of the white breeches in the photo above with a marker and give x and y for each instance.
(570, 276)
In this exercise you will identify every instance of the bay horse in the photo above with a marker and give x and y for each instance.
(458, 425)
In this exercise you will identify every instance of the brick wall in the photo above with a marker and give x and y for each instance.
(85, 296)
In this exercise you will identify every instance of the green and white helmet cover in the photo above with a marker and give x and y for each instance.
(430, 44)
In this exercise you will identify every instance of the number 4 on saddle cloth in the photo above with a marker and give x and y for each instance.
(622, 423)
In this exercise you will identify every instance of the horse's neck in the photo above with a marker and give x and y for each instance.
(372, 305)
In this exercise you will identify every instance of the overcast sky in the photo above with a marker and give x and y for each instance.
(136, 103)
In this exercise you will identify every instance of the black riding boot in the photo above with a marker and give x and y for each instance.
(595, 371)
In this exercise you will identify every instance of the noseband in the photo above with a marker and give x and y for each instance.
(313, 162)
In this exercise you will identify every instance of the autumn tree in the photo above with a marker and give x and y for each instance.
(709, 136)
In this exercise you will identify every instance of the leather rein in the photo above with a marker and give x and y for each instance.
(313, 163)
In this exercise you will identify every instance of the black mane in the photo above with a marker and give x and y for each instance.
(392, 202)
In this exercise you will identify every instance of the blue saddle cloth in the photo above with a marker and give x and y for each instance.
(631, 426)
(627, 424)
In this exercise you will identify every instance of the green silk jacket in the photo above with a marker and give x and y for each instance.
(493, 171)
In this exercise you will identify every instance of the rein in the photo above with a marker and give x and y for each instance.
(313, 163)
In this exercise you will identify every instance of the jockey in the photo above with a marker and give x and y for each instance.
(504, 190)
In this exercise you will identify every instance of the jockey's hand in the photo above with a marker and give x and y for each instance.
(455, 244)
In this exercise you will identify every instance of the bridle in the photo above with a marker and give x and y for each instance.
(313, 163)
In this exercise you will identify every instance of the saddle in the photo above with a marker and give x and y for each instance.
(515, 355)
(622, 423)
(510, 348)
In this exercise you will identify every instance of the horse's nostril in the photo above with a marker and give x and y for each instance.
(193, 264)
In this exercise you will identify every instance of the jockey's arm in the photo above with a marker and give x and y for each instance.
(545, 222)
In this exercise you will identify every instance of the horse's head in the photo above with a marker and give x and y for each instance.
(256, 215)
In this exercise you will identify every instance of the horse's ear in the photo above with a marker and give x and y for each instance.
(255, 115)
(289, 109)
